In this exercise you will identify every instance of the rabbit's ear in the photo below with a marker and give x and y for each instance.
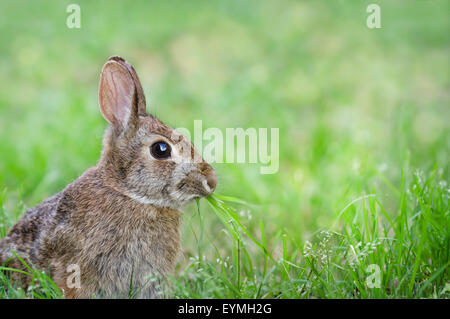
(120, 94)
(141, 104)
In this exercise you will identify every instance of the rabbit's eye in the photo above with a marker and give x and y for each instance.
(160, 150)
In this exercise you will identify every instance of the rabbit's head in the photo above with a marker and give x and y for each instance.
(142, 157)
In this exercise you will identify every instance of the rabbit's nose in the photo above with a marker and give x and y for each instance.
(211, 179)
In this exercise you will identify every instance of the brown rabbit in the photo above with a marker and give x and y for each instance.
(118, 222)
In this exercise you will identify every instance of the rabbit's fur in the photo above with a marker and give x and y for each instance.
(119, 222)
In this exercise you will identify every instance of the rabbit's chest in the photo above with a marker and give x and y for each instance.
(138, 255)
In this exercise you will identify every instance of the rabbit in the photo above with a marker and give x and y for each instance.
(119, 222)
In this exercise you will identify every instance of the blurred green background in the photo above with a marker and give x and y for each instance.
(354, 106)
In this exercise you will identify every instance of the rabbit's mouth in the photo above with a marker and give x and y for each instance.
(184, 193)
(180, 200)
(201, 186)
(176, 200)
(191, 186)
(188, 190)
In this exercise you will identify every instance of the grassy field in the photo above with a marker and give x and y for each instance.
(362, 116)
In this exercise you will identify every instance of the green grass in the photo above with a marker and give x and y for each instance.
(362, 114)
(41, 286)
(410, 247)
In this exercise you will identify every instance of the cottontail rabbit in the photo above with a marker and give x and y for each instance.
(118, 222)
